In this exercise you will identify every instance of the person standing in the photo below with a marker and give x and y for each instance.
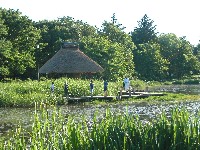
(52, 87)
(91, 87)
(126, 84)
(105, 85)
(66, 89)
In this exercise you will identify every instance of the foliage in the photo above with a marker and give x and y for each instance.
(196, 51)
(180, 56)
(111, 56)
(5, 49)
(19, 40)
(17, 93)
(112, 131)
(123, 51)
(26, 93)
(55, 32)
(150, 65)
(26, 45)
(145, 32)
(186, 81)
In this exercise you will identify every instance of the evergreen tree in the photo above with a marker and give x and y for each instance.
(114, 32)
(145, 32)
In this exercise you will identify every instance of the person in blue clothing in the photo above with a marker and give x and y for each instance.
(126, 84)
(105, 88)
(91, 87)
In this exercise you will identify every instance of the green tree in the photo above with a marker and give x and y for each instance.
(149, 64)
(23, 37)
(108, 55)
(196, 51)
(5, 50)
(124, 45)
(113, 53)
(56, 31)
(179, 52)
(145, 32)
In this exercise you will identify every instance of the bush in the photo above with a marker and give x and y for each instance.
(43, 79)
(192, 81)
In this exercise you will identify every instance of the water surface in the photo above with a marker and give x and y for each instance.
(10, 118)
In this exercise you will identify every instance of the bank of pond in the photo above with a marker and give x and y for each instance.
(52, 129)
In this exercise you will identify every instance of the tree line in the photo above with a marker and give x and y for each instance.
(25, 45)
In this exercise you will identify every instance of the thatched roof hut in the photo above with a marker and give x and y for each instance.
(69, 59)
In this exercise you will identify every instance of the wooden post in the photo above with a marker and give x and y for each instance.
(133, 90)
(147, 89)
(120, 95)
(105, 93)
(129, 91)
(38, 74)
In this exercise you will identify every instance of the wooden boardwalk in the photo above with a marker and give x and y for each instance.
(89, 98)
(124, 95)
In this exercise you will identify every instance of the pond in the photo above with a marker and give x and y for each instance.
(10, 118)
(186, 89)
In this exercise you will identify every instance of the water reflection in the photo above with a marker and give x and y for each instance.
(10, 118)
(186, 89)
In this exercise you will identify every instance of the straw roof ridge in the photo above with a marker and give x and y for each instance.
(69, 59)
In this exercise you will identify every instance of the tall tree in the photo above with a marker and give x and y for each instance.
(23, 37)
(114, 32)
(5, 50)
(196, 51)
(149, 64)
(179, 52)
(56, 31)
(109, 55)
(145, 32)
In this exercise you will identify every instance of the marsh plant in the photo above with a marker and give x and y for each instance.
(25, 93)
(54, 130)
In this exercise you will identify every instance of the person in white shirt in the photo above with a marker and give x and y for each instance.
(126, 83)
(52, 87)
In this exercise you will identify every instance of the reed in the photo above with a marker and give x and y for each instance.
(26, 93)
(53, 130)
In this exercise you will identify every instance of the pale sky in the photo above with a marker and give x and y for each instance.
(181, 17)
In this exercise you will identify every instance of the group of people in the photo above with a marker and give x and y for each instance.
(66, 88)
(126, 85)
(105, 87)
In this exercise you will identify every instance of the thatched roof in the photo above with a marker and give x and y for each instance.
(69, 59)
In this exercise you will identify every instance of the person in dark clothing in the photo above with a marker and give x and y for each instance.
(105, 85)
(52, 87)
(91, 88)
(66, 89)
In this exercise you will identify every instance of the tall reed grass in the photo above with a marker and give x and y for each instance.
(53, 130)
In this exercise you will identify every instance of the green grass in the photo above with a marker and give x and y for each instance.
(51, 130)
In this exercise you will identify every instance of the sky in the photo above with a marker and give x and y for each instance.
(181, 17)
